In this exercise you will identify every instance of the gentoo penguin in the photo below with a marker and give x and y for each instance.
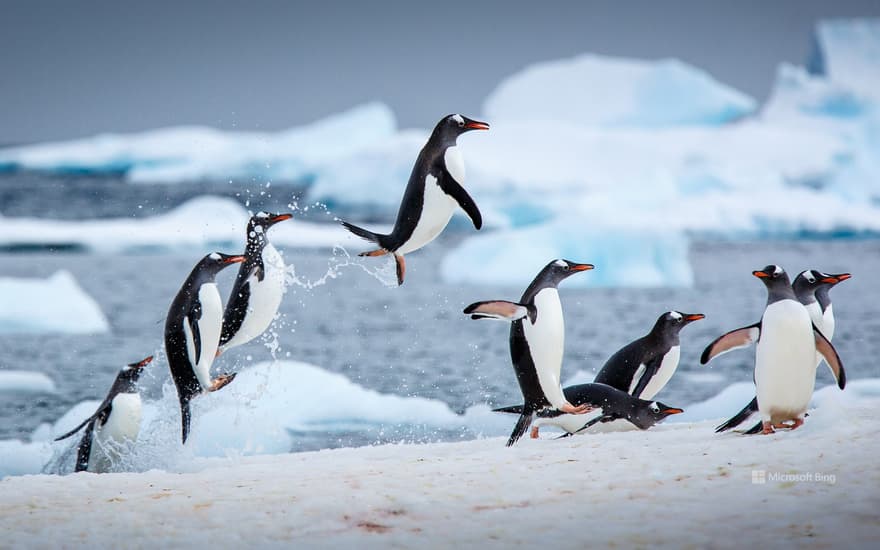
(116, 421)
(192, 333)
(537, 340)
(641, 368)
(608, 404)
(433, 192)
(259, 285)
(811, 289)
(785, 357)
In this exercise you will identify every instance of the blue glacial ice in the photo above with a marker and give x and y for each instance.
(55, 304)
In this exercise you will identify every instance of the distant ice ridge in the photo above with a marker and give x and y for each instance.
(199, 223)
(192, 153)
(22, 381)
(594, 90)
(54, 304)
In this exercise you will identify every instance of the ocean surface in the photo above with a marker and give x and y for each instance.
(409, 341)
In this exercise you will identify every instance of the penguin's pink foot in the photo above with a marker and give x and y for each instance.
(534, 433)
(580, 409)
(374, 253)
(401, 268)
(798, 422)
(221, 381)
(767, 427)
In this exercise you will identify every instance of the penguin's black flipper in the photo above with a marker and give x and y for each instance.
(85, 449)
(457, 192)
(601, 418)
(102, 413)
(364, 234)
(824, 347)
(651, 369)
(756, 429)
(235, 312)
(522, 425)
(185, 418)
(192, 332)
(734, 339)
(739, 417)
(501, 310)
(513, 409)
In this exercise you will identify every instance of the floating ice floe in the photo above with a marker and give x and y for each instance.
(200, 223)
(54, 304)
(22, 381)
(200, 153)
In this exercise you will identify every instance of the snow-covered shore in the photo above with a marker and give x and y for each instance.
(676, 485)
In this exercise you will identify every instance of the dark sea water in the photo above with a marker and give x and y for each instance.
(412, 340)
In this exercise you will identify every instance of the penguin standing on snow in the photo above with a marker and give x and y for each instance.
(192, 333)
(785, 357)
(608, 404)
(811, 288)
(432, 194)
(116, 421)
(258, 288)
(537, 341)
(643, 367)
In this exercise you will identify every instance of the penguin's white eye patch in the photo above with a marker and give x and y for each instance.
(459, 119)
(214, 256)
(777, 270)
(654, 407)
(561, 263)
(675, 315)
(261, 215)
(809, 277)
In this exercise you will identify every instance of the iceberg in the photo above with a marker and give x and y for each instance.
(191, 153)
(846, 51)
(594, 90)
(200, 223)
(21, 381)
(54, 304)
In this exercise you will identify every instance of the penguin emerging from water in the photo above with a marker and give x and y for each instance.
(608, 404)
(258, 288)
(432, 194)
(192, 333)
(643, 367)
(116, 421)
(811, 289)
(537, 340)
(785, 357)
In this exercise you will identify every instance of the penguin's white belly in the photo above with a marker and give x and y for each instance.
(569, 423)
(121, 428)
(546, 340)
(663, 374)
(785, 362)
(827, 327)
(265, 298)
(210, 324)
(437, 210)
(815, 311)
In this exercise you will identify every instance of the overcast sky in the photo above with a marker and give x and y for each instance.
(77, 68)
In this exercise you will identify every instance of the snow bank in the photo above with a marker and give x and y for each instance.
(639, 489)
(200, 223)
(200, 153)
(55, 304)
(22, 381)
(594, 90)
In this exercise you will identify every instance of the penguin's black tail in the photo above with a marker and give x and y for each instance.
(756, 429)
(739, 417)
(513, 409)
(366, 235)
(525, 420)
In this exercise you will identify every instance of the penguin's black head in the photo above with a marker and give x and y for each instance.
(215, 261)
(649, 413)
(452, 126)
(673, 321)
(812, 284)
(557, 270)
(262, 221)
(129, 375)
(772, 275)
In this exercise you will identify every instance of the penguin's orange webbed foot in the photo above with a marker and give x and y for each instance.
(221, 381)
(767, 428)
(580, 409)
(534, 433)
(374, 253)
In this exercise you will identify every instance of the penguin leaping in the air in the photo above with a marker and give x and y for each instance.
(811, 288)
(432, 194)
(785, 356)
(192, 333)
(537, 341)
(116, 421)
(643, 367)
(258, 288)
(608, 404)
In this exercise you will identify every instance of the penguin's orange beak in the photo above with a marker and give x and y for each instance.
(760, 274)
(476, 125)
(582, 267)
(234, 260)
(280, 218)
(141, 364)
(834, 279)
(694, 317)
(673, 411)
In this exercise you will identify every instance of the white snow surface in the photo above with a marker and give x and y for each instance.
(595, 90)
(200, 223)
(630, 489)
(54, 304)
(23, 381)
